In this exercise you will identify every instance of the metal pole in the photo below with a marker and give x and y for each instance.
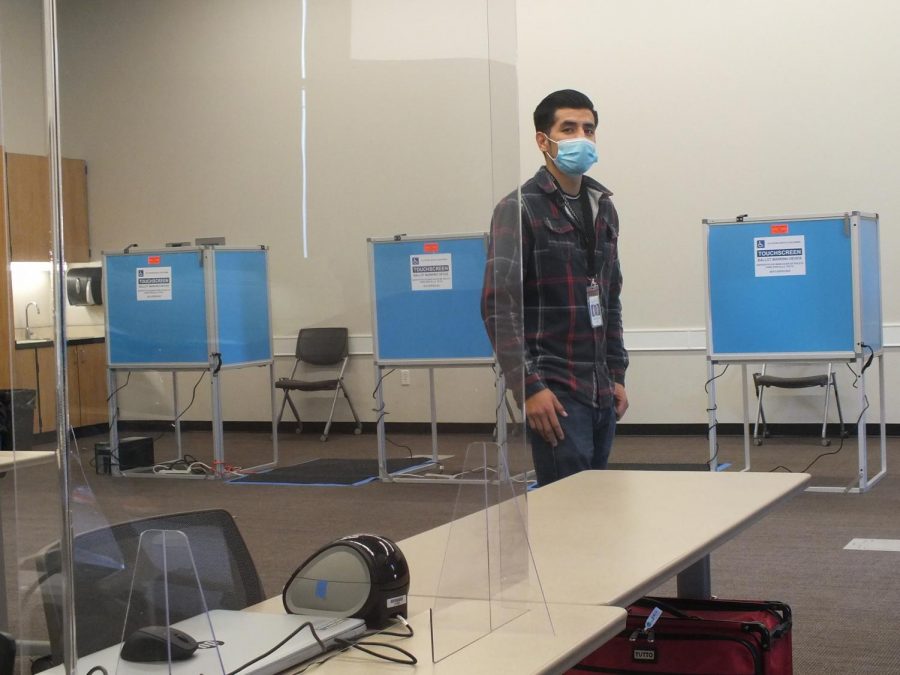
(218, 441)
(58, 283)
(113, 383)
(745, 405)
(711, 413)
(379, 425)
(273, 395)
(434, 441)
(503, 467)
(861, 428)
(177, 413)
(882, 414)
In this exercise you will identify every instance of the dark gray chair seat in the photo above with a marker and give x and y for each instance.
(762, 381)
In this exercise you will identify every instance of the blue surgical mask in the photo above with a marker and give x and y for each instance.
(574, 156)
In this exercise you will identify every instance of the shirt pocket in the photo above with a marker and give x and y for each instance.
(560, 239)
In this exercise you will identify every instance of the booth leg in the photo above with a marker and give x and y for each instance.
(745, 406)
(274, 397)
(217, 429)
(861, 429)
(113, 384)
(882, 410)
(434, 440)
(176, 414)
(379, 425)
(711, 412)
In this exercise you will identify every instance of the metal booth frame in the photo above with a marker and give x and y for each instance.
(214, 363)
(858, 353)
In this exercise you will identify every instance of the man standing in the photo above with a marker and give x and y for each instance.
(566, 328)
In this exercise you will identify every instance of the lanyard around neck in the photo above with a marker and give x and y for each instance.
(585, 227)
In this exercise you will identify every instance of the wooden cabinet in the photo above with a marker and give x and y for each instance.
(28, 187)
(92, 383)
(46, 365)
(75, 210)
(74, 397)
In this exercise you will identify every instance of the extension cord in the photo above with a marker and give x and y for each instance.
(171, 471)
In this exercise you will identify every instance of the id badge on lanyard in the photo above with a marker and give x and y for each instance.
(593, 301)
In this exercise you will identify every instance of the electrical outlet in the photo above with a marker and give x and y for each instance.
(404, 378)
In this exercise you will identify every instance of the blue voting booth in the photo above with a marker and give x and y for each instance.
(426, 313)
(202, 308)
(426, 300)
(180, 308)
(795, 288)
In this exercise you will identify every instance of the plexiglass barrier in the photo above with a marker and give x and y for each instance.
(304, 127)
(488, 578)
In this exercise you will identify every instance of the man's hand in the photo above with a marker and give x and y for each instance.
(621, 400)
(541, 410)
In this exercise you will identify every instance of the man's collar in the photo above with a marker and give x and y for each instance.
(546, 182)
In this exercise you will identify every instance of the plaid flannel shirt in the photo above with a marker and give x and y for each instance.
(546, 327)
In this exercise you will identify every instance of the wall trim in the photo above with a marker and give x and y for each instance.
(315, 428)
(638, 340)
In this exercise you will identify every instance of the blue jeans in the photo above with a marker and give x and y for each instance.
(589, 433)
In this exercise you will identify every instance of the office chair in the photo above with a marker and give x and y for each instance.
(761, 382)
(319, 347)
(104, 566)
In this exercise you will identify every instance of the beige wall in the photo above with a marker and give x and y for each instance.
(21, 69)
(189, 117)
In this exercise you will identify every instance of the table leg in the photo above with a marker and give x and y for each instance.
(694, 581)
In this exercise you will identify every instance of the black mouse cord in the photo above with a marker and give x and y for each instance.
(346, 645)
(410, 659)
(308, 624)
(97, 669)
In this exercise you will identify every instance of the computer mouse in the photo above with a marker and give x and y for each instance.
(158, 643)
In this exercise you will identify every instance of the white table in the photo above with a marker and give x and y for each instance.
(19, 459)
(519, 647)
(600, 541)
(610, 537)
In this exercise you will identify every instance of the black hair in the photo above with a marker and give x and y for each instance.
(545, 113)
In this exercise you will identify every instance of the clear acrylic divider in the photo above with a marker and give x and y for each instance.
(167, 603)
(488, 578)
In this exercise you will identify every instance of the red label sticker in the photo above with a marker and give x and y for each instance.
(432, 248)
(781, 228)
(153, 260)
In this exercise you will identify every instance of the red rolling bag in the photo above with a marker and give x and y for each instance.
(698, 637)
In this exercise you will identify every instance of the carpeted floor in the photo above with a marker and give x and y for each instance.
(846, 603)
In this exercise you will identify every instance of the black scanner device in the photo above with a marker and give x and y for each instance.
(158, 643)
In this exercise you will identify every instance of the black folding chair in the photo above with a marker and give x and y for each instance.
(761, 382)
(319, 347)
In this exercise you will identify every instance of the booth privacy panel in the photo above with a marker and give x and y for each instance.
(427, 299)
(156, 308)
(870, 280)
(242, 306)
(176, 308)
(787, 286)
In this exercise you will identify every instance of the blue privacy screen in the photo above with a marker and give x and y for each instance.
(429, 312)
